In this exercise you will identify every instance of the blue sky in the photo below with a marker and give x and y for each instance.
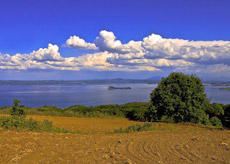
(34, 35)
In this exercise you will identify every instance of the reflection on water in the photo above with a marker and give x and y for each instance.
(89, 95)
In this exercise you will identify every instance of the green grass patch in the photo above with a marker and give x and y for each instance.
(145, 127)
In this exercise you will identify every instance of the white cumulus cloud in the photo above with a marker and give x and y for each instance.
(47, 54)
(76, 42)
(107, 41)
(203, 52)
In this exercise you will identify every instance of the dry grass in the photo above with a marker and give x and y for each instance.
(97, 125)
(104, 125)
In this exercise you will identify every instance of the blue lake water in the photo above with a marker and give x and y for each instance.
(88, 95)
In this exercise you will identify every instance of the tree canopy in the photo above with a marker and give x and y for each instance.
(179, 98)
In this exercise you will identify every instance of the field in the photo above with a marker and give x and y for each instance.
(169, 143)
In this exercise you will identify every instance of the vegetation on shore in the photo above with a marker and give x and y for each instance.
(133, 111)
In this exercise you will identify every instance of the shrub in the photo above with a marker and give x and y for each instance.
(216, 122)
(167, 119)
(226, 117)
(16, 111)
(11, 122)
(205, 120)
(136, 114)
(214, 110)
(20, 123)
(135, 111)
(135, 128)
(47, 123)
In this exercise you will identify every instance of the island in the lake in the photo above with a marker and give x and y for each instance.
(112, 88)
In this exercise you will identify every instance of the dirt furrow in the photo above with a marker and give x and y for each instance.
(166, 146)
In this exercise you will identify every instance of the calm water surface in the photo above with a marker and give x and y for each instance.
(88, 95)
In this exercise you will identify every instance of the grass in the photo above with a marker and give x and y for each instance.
(135, 128)
(23, 124)
(146, 127)
(89, 126)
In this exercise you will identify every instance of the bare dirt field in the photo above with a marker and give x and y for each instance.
(90, 125)
(174, 144)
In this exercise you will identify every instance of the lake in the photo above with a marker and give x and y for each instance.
(88, 95)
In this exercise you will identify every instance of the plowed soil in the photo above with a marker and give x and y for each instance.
(183, 144)
(87, 125)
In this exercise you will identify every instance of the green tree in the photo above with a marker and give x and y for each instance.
(16, 111)
(178, 98)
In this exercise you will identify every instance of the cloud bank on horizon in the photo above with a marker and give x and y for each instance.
(153, 53)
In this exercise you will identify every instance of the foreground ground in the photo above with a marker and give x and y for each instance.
(170, 144)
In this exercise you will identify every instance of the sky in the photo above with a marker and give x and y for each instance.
(105, 39)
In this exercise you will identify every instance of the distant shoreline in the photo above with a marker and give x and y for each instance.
(81, 82)
(96, 81)
(224, 89)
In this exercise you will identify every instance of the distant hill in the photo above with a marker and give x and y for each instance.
(71, 82)
(216, 83)
(152, 80)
